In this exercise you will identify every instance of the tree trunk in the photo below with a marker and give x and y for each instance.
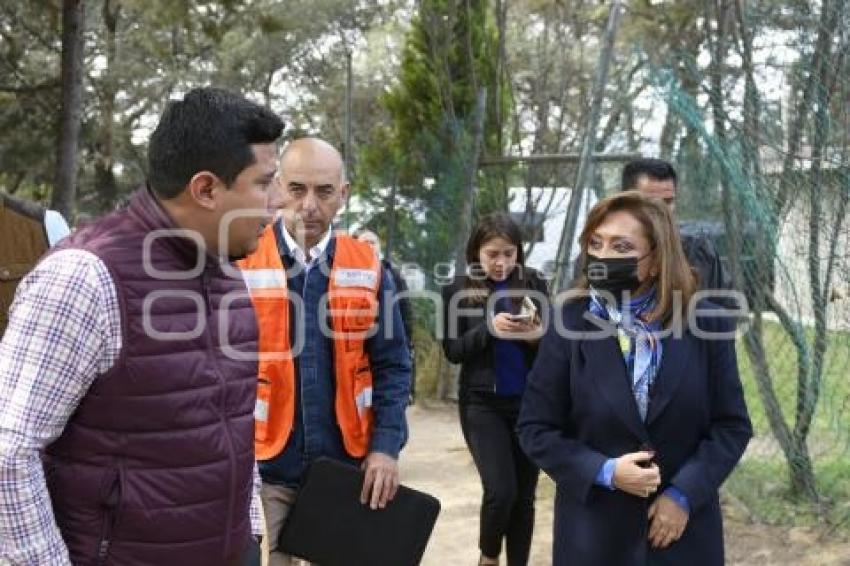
(563, 269)
(16, 184)
(792, 441)
(347, 154)
(65, 187)
(499, 109)
(809, 390)
(106, 183)
(826, 32)
(389, 246)
(668, 134)
(731, 218)
(468, 203)
(447, 379)
(801, 472)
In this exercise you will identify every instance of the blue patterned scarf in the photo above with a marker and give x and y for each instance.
(639, 344)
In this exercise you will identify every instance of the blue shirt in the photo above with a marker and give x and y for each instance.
(508, 356)
(315, 431)
(55, 226)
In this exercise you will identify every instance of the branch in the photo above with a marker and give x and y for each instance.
(754, 342)
(27, 89)
(809, 391)
(827, 26)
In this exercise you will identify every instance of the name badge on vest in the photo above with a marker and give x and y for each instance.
(355, 278)
(261, 410)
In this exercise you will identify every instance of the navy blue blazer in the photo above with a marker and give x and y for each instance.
(578, 410)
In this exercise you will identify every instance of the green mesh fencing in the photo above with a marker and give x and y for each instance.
(772, 192)
(774, 203)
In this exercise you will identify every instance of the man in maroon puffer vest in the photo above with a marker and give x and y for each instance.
(128, 369)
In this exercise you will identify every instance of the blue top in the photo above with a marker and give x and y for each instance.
(508, 355)
(55, 226)
(315, 431)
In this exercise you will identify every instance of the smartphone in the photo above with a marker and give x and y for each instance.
(528, 306)
(522, 317)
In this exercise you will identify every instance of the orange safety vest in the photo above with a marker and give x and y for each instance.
(352, 307)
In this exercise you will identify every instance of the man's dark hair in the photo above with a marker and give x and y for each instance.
(211, 129)
(657, 169)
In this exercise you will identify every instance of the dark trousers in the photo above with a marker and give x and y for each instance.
(507, 475)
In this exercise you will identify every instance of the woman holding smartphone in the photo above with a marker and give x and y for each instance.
(493, 319)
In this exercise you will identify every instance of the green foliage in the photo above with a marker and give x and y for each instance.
(449, 53)
(29, 94)
(139, 53)
(429, 356)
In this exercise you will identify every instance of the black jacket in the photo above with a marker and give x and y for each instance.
(467, 339)
(403, 303)
(578, 410)
(704, 258)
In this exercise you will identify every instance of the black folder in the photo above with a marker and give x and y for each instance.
(328, 525)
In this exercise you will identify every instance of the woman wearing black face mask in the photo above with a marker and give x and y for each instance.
(633, 408)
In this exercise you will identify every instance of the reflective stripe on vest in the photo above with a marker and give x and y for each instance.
(352, 308)
(264, 279)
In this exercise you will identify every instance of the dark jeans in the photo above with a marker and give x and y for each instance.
(507, 475)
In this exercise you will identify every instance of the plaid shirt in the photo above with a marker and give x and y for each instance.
(64, 330)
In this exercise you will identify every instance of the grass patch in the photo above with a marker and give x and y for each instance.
(761, 485)
(428, 354)
(760, 481)
(830, 433)
(429, 351)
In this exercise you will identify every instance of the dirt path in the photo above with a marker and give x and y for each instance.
(436, 461)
